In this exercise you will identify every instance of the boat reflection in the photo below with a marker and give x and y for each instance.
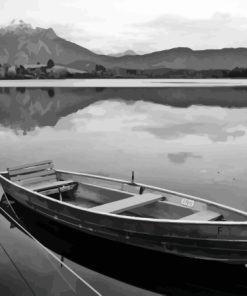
(40, 272)
(27, 268)
(154, 272)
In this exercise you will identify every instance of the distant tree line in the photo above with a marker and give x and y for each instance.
(170, 73)
(38, 71)
(52, 71)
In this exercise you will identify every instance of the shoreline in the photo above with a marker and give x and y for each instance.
(162, 83)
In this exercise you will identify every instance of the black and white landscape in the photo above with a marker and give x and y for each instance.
(123, 147)
(28, 47)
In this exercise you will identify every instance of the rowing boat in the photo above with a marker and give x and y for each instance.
(131, 213)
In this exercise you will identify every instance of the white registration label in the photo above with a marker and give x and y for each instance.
(187, 202)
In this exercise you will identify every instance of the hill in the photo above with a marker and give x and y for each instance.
(20, 43)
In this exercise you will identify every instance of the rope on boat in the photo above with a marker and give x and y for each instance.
(9, 203)
(50, 253)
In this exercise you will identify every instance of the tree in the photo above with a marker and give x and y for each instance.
(50, 64)
(21, 70)
(100, 68)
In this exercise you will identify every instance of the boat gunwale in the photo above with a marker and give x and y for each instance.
(230, 261)
(170, 221)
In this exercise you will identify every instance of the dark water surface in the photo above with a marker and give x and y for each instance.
(112, 268)
(191, 140)
(26, 268)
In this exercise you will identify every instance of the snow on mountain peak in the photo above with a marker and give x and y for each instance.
(16, 25)
(19, 27)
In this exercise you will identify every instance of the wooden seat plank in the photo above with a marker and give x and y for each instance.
(49, 191)
(30, 165)
(128, 203)
(34, 175)
(41, 177)
(202, 216)
(30, 169)
(45, 186)
(49, 178)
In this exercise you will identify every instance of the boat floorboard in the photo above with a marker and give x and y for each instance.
(202, 216)
(82, 203)
(129, 203)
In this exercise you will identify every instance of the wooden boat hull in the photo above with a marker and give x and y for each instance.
(218, 241)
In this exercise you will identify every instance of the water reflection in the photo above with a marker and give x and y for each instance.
(181, 157)
(53, 278)
(127, 269)
(27, 108)
(192, 140)
(27, 269)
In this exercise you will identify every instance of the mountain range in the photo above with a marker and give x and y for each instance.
(20, 43)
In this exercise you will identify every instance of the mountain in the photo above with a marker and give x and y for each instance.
(20, 43)
(178, 58)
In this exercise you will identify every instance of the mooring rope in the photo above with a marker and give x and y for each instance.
(52, 255)
(18, 270)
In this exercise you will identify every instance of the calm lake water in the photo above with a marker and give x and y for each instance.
(123, 82)
(192, 140)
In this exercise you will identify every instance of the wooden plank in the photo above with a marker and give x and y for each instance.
(50, 178)
(31, 169)
(56, 190)
(202, 216)
(49, 191)
(29, 165)
(44, 186)
(33, 175)
(128, 203)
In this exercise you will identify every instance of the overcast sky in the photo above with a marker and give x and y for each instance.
(141, 25)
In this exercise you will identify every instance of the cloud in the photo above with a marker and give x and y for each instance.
(217, 31)
(216, 132)
(163, 32)
(216, 124)
(181, 157)
(71, 33)
(141, 25)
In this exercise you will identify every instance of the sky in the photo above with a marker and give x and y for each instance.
(110, 26)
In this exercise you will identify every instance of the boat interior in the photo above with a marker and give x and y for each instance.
(104, 195)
